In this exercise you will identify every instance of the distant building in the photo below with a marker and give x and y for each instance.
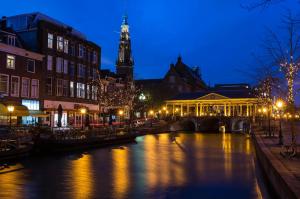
(179, 79)
(124, 64)
(70, 63)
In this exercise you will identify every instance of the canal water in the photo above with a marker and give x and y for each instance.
(157, 166)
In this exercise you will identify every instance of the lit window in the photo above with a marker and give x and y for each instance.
(11, 40)
(66, 66)
(60, 43)
(49, 62)
(4, 82)
(30, 66)
(59, 65)
(66, 46)
(15, 86)
(50, 40)
(87, 91)
(25, 87)
(10, 61)
(80, 90)
(94, 92)
(34, 88)
(31, 104)
(71, 89)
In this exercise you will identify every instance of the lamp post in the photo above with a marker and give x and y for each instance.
(121, 113)
(83, 112)
(10, 110)
(279, 105)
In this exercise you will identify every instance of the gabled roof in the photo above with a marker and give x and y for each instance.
(232, 94)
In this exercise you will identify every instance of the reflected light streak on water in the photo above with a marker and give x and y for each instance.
(158, 166)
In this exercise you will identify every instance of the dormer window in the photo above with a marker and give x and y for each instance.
(11, 40)
(60, 43)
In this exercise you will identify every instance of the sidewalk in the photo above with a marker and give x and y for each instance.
(283, 173)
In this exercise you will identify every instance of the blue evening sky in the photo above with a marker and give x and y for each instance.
(217, 35)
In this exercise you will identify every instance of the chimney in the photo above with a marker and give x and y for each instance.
(3, 23)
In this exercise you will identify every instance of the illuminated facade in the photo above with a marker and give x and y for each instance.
(233, 101)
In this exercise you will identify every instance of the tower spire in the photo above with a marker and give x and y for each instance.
(125, 62)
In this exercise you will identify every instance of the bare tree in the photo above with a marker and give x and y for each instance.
(284, 52)
(254, 4)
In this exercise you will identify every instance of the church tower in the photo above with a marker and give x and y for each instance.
(125, 61)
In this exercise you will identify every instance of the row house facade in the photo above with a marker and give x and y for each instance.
(70, 65)
(20, 82)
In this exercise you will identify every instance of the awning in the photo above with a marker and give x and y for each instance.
(19, 110)
(38, 114)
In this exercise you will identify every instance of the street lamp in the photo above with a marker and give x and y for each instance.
(83, 112)
(121, 113)
(10, 109)
(279, 105)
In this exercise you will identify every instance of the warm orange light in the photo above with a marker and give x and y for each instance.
(10, 108)
(83, 110)
(279, 104)
(121, 112)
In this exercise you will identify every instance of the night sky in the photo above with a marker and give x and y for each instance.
(217, 35)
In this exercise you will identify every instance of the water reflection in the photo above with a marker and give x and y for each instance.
(82, 181)
(158, 166)
(120, 171)
(10, 181)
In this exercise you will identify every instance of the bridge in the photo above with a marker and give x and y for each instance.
(212, 124)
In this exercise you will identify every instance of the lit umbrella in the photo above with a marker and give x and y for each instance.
(59, 115)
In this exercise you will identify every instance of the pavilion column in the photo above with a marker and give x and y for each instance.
(241, 110)
(197, 111)
(200, 109)
(188, 109)
(181, 110)
(229, 110)
(225, 110)
(247, 110)
(173, 109)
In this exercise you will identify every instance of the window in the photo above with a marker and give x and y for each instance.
(65, 88)
(81, 51)
(81, 70)
(4, 82)
(72, 50)
(87, 91)
(71, 89)
(30, 66)
(15, 86)
(25, 87)
(59, 64)
(49, 62)
(49, 86)
(72, 69)
(95, 57)
(94, 92)
(34, 88)
(10, 61)
(95, 74)
(66, 46)
(66, 66)
(31, 104)
(59, 87)
(80, 90)
(11, 40)
(60, 43)
(50, 40)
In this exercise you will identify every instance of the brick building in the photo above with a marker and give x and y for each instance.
(70, 64)
(20, 79)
